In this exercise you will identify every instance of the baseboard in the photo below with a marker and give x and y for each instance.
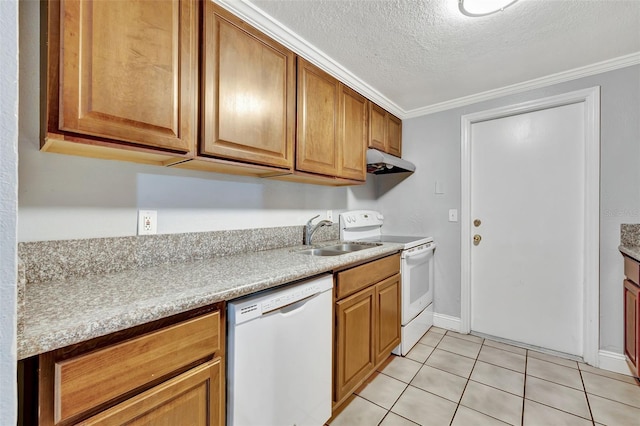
(613, 361)
(446, 321)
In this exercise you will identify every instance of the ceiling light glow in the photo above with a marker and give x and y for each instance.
(483, 7)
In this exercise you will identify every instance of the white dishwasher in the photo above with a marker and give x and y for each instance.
(279, 356)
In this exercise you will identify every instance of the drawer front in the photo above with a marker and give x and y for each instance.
(354, 279)
(632, 269)
(94, 378)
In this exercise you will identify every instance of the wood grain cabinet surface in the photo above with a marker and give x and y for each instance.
(248, 93)
(165, 376)
(632, 314)
(367, 322)
(332, 126)
(122, 74)
(385, 131)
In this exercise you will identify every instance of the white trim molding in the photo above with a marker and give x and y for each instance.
(446, 322)
(613, 361)
(591, 99)
(273, 28)
(561, 77)
(279, 32)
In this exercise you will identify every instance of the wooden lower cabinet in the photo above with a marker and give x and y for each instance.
(388, 317)
(355, 334)
(631, 325)
(164, 373)
(193, 398)
(632, 314)
(368, 319)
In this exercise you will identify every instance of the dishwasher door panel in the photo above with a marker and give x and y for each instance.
(279, 363)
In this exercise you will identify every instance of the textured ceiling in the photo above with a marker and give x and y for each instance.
(419, 53)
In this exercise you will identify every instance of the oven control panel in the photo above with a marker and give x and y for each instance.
(361, 219)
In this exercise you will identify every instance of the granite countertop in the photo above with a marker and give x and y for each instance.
(630, 240)
(631, 251)
(63, 312)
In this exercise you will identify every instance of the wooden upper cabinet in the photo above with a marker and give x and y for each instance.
(248, 93)
(377, 128)
(127, 71)
(394, 135)
(317, 139)
(332, 126)
(352, 137)
(385, 131)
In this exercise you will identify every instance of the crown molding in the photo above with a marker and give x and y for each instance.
(561, 77)
(283, 35)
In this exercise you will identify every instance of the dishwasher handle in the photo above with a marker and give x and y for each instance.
(291, 306)
(256, 306)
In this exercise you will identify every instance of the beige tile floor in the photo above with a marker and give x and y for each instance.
(459, 380)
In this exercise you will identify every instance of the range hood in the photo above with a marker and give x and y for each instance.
(380, 163)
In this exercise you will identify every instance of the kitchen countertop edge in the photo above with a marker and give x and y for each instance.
(631, 251)
(61, 313)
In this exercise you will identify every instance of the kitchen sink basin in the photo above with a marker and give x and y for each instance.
(322, 252)
(349, 247)
(337, 249)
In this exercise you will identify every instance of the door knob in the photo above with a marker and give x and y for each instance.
(477, 222)
(476, 239)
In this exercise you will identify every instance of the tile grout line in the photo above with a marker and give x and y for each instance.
(584, 388)
(524, 390)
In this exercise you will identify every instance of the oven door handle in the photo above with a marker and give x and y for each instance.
(417, 255)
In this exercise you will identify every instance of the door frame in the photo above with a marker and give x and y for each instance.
(591, 308)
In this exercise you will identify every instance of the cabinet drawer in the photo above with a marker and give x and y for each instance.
(185, 397)
(354, 279)
(91, 379)
(632, 269)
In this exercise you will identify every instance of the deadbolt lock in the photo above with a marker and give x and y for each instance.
(476, 239)
(477, 223)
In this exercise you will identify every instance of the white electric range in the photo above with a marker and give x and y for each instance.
(416, 270)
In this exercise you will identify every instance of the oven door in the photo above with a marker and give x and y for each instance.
(417, 272)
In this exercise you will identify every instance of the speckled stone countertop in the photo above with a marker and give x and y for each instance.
(71, 310)
(630, 240)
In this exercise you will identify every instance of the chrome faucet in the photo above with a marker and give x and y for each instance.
(310, 229)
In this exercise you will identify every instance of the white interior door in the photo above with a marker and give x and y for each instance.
(528, 192)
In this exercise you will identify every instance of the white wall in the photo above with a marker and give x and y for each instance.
(65, 197)
(8, 208)
(433, 143)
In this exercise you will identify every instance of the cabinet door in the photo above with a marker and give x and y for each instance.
(377, 127)
(128, 71)
(249, 92)
(317, 135)
(354, 341)
(193, 398)
(388, 317)
(631, 326)
(394, 135)
(353, 128)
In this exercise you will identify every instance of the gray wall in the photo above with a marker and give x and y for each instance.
(65, 197)
(8, 208)
(433, 143)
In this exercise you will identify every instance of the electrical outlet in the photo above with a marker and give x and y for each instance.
(330, 215)
(147, 222)
(453, 215)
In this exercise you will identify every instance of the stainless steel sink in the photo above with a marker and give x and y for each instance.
(349, 247)
(322, 252)
(337, 249)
